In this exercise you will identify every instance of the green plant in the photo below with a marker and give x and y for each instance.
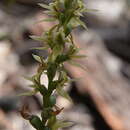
(59, 41)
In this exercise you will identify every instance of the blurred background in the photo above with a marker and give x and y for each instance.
(102, 94)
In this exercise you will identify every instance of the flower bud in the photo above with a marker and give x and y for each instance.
(36, 122)
(52, 100)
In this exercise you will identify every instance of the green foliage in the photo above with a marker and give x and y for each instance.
(61, 47)
(36, 122)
